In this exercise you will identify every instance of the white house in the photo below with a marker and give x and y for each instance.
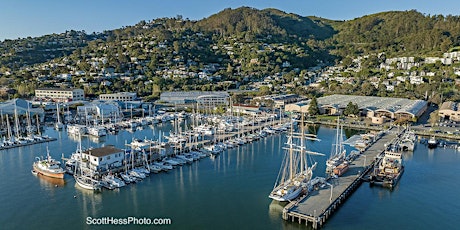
(104, 158)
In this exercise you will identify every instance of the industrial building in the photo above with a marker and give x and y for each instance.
(449, 110)
(373, 107)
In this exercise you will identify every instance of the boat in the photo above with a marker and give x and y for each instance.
(389, 169)
(87, 182)
(338, 155)
(432, 142)
(76, 129)
(408, 139)
(81, 178)
(163, 166)
(113, 181)
(97, 131)
(58, 125)
(48, 167)
(294, 174)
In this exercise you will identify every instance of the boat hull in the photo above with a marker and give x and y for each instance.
(80, 182)
(286, 197)
(49, 174)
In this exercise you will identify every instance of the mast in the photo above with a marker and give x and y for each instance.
(302, 146)
(16, 121)
(291, 155)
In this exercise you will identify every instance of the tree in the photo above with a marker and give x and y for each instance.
(313, 107)
(351, 109)
(434, 117)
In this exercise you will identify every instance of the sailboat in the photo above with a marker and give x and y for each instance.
(295, 174)
(58, 125)
(81, 178)
(338, 155)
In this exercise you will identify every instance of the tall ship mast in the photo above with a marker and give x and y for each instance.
(295, 172)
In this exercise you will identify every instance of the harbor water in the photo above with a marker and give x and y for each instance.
(229, 191)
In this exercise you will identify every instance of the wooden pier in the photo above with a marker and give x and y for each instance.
(318, 205)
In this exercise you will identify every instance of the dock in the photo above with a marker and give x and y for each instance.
(28, 143)
(318, 205)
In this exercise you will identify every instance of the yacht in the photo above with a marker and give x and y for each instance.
(97, 131)
(113, 181)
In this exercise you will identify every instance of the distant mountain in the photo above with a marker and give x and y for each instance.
(263, 23)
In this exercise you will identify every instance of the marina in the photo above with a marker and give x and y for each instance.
(318, 205)
(209, 179)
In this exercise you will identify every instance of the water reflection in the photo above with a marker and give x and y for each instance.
(90, 201)
(275, 210)
(49, 182)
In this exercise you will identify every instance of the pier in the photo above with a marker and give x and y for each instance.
(44, 140)
(318, 205)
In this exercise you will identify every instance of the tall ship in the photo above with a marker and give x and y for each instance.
(48, 167)
(389, 169)
(295, 173)
(337, 165)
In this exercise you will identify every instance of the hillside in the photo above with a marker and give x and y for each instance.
(262, 23)
(231, 49)
(397, 32)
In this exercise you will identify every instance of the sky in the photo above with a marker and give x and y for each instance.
(24, 18)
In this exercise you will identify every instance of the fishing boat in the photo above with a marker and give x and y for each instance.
(338, 155)
(294, 174)
(389, 169)
(48, 167)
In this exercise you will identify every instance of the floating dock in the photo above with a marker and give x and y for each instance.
(318, 205)
(28, 143)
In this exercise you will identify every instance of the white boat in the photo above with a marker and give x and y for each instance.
(81, 178)
(295, 173)
(186, 159)
(163, 166)
(97, 131)
(139, 144)
(155, 168)
(76, 129)
(171, 162)
(58, 125)
(127, 178)
(87, 182)
(136, 173)
(113, 181)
